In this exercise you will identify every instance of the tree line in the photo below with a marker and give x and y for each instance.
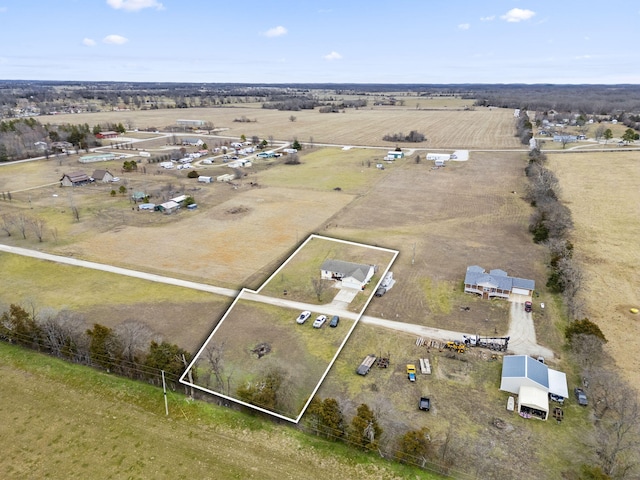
(616, 442)
(131, 349)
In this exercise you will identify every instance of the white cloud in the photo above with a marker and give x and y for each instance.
(517, 15)
(134, 5)
(89, 42)
(490, 18)
(115, 40)
(332, 56)
(464, 26)
(276, 31)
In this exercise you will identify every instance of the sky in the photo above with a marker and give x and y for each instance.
(324, 41)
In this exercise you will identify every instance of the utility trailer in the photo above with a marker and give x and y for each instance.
(424, 404)
(366, 364)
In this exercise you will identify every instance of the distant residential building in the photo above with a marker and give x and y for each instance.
(108, 134)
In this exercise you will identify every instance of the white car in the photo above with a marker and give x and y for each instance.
(319, 321)
(115, 179)
(303, 317)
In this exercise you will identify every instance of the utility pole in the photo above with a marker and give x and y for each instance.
(164, 390)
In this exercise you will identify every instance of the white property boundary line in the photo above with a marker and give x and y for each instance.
(339, 349)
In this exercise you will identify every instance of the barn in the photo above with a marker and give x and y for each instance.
(102, 176)
(74, 179)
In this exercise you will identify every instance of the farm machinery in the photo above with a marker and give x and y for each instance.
(456, 346)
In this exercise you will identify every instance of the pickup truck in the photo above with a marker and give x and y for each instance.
(424, 404)
(411, 372)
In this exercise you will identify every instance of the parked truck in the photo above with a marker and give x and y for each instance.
(492, 343)
(411, 372)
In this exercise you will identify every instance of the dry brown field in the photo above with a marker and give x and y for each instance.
(604, 201)
(444, 128)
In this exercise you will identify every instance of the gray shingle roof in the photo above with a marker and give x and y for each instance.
(496, 278)
(347, 269)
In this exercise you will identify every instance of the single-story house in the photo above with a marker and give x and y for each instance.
(196, 142)
(393, 155)
(74, 179)
(97, 157)
(147, 206)
(138, 196)
(179, 199)
(496, 283)
(190, 123)
(351, 275)
(565, 138)
(102, 176)
(108, 134)
(167, 207)
(532, 381)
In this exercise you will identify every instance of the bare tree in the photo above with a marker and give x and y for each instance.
(134, 339)
(618, 423)
(8, 222)
(22, 222)
(214, 355)
(319, 286)
(38, 226)
(588, 350)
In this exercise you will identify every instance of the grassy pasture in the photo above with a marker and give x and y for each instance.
(64, 421)
(603, 199)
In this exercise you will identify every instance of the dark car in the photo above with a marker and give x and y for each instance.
(335, 320)
(380, 291)
(581, 397)
(528, 306)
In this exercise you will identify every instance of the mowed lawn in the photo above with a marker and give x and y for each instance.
(601, 190)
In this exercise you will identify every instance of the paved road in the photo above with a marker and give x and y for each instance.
(521, 330)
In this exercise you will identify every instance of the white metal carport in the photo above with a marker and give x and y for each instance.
(558, 383)
(533, 398)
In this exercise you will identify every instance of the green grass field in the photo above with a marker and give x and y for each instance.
(81, 423)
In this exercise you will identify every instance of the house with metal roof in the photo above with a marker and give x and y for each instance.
(351, 275)
(532, 381)
(496, 283)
